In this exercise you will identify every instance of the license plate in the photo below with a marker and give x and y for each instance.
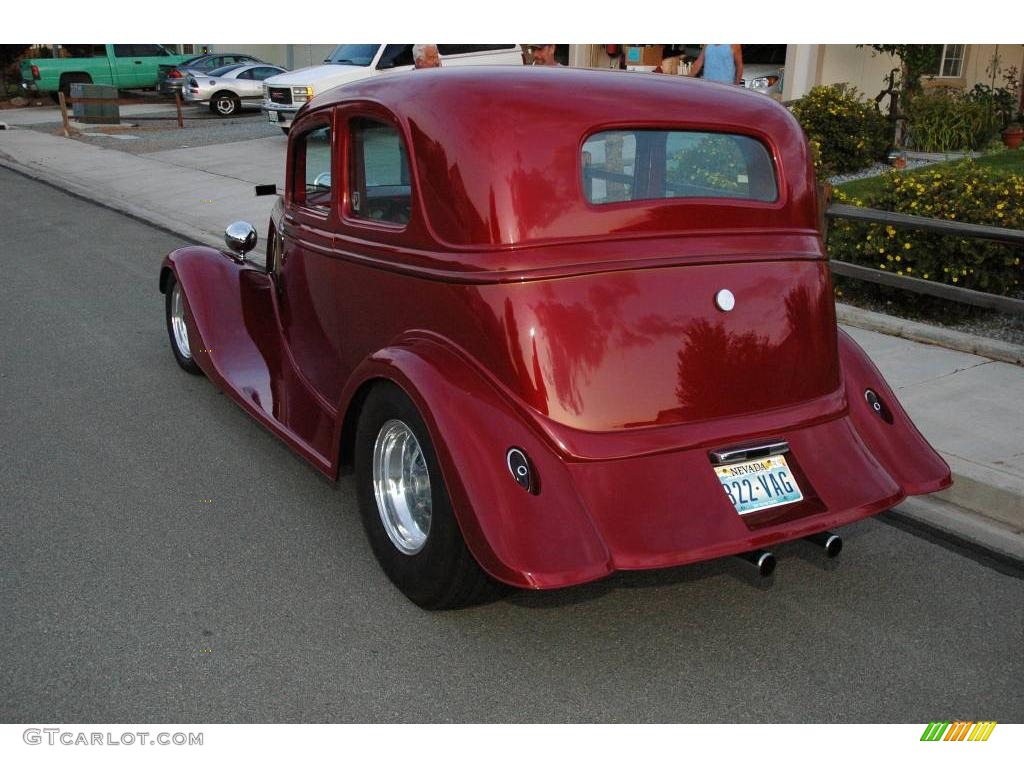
(760, 484)
(272, 115)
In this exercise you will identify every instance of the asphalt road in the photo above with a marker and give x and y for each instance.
(164, 559)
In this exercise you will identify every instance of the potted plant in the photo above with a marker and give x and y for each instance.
(1013, 134)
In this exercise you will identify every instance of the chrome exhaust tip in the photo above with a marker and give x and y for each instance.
(832, 543)
(761, 559)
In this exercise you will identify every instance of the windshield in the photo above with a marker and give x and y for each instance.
(353, 53)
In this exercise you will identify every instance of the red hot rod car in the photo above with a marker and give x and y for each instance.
(559, 323)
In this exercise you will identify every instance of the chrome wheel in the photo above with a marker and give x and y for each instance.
(225, 105)
(401, 485)
(178, 326)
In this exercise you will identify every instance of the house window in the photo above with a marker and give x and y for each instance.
(949, 61)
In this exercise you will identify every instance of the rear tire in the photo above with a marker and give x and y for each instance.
(176, 312)
(396, 466)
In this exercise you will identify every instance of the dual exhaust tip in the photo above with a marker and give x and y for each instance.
(765, 562)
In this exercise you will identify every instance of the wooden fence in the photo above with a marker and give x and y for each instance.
(65, 103)
(1004, 304)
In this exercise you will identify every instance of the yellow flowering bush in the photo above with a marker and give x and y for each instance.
(965, 192)
(848, 133)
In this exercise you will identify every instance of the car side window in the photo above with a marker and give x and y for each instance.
(262, 73)
(149, 49)
(312, 187)
(123, 50)
(396, 55)
(379, 188)
(245, 74)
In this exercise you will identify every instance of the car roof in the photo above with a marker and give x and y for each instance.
(497, 149)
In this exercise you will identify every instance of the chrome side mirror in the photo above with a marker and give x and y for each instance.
(240, 238)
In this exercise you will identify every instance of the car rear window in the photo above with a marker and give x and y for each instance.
(221, 71)
(620, 166)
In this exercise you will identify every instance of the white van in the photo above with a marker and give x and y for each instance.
(284, 94)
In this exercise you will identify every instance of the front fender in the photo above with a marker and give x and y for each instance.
(898, 446)
(213, 286)
(543, 540)
(233, 318)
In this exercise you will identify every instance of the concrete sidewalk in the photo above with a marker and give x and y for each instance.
(194, 192)
(970, 407)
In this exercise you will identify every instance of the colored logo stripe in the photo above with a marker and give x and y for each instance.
(958, 731)
(982, 731)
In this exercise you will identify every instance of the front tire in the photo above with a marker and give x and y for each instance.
(406, 510)
(176, 311)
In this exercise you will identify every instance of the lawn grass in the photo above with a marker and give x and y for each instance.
(1002, 163)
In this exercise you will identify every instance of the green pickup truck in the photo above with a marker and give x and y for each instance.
(124, 65)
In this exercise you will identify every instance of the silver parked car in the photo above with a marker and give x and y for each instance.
(173, 78)
(228, 89)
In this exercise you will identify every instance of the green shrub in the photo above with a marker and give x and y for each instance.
(966, 192)
(850, 134)
(999, 103)
(945, 120)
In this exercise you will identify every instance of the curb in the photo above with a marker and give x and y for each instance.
(993, 349)
(984, 491)
(989, 542)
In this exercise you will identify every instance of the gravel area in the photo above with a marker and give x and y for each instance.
(877, 169)
(973, 320)
(1009, 328)
(156, 133)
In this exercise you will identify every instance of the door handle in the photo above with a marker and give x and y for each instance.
(138, 62)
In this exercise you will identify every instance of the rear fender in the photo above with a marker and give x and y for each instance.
(472, 425)
(889, 433)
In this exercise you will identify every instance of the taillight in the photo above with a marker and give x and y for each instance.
(35, 72)
(174, 73)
